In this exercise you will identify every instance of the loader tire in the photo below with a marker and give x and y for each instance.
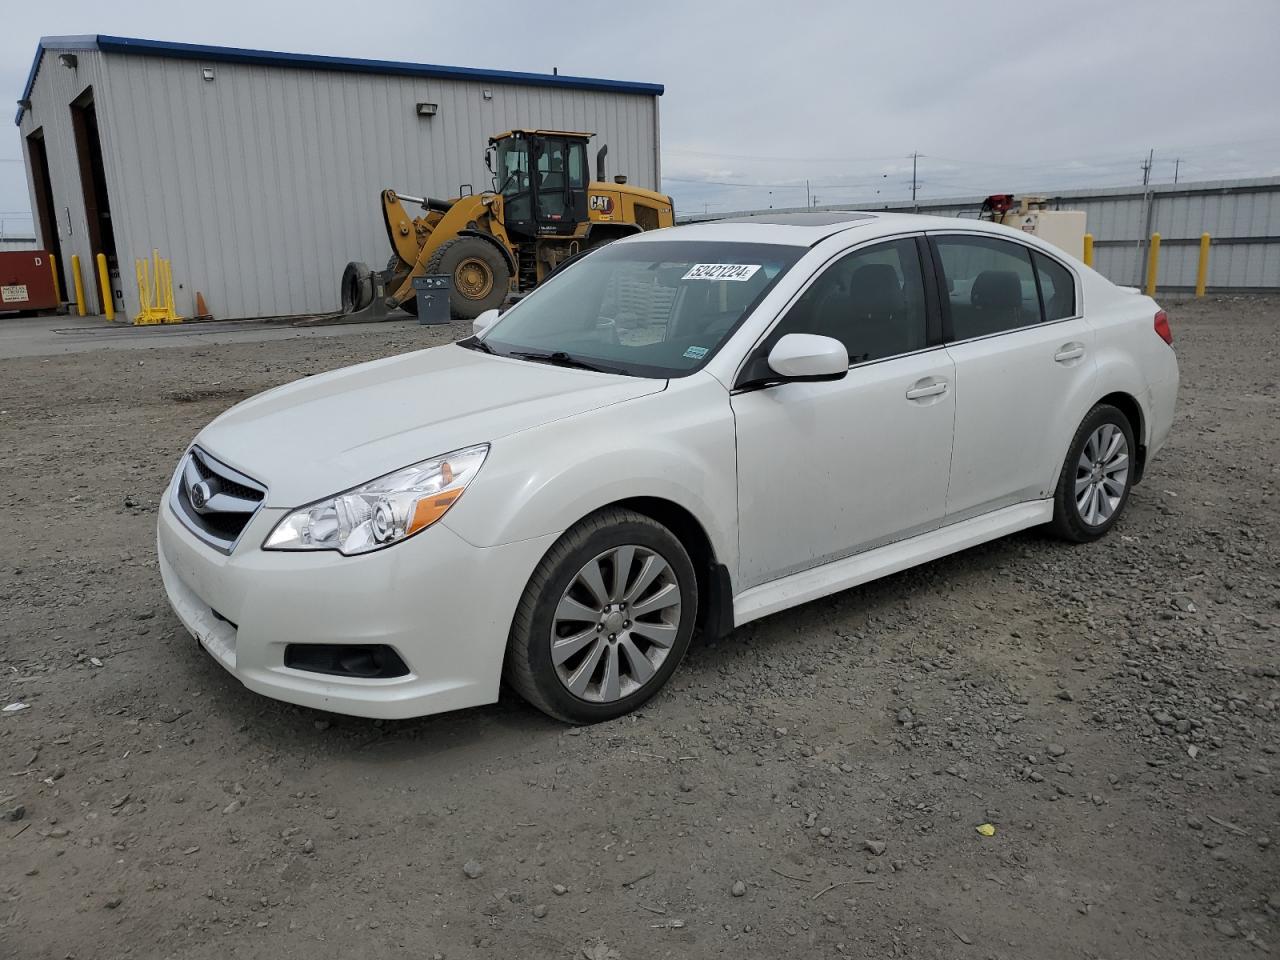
(356, 289)
(481, 278)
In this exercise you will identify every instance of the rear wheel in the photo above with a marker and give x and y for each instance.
(481, 278)
(605, 619)
(1096, 477)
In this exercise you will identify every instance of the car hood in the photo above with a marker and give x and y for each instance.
(321, 435)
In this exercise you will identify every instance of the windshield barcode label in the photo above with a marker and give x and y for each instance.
(721, 271)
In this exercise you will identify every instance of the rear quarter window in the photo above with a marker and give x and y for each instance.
(1057, 287)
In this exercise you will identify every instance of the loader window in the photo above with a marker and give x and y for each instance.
(552, 181)
(577, 166)
(512, 178)
(659, 309)
(513, 166)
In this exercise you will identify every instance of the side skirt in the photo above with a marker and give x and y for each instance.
(850, 572)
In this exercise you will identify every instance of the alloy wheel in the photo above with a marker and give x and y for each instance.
(1102, 474)
(615, 623)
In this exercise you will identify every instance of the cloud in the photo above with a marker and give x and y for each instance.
(997, 96)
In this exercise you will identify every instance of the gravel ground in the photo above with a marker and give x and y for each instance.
(811, 786)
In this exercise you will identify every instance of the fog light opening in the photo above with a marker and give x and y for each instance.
(366, 661)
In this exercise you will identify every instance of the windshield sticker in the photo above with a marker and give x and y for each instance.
(696, 353)
(721, 271)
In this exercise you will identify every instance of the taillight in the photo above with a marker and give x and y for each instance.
(1162, 327)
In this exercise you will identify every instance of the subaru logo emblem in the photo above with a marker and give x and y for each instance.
(200, 494)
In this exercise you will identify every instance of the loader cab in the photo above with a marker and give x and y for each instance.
(542, 176)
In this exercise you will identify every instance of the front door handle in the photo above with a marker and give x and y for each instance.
(1068, 352)
(929, 387)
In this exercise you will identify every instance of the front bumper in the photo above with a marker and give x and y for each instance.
(444, 605)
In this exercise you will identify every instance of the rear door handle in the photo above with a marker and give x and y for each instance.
(927, 388)
(1069, 351)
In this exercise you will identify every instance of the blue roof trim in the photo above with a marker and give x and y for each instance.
(197, 51)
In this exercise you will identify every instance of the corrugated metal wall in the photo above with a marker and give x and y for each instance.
(260, 184)
(55, 87)
(1241, 216)
(18, 243)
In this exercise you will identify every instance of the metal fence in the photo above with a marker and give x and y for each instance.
(1242, 218)
(15, 242)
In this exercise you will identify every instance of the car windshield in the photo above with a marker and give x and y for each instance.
(655, 309)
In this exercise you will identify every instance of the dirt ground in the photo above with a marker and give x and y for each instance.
(810, 786)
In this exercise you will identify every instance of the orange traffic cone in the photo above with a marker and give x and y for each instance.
(202, 309)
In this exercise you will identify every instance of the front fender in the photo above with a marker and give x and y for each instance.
(676, 445)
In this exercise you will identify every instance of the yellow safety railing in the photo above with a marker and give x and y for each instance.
(155, 291)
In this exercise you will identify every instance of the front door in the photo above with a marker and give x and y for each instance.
(1024, 359)
(827, 470)
(560, 184)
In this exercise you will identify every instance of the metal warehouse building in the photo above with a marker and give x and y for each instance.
(258, 174)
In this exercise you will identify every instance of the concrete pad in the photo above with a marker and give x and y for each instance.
(45, 336)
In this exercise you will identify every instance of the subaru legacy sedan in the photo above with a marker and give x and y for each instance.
(679, 432)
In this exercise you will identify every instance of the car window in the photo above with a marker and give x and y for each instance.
(1057, 287)
(990, 285)
(871, 300)
(656, 308)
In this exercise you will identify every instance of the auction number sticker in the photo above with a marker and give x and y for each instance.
(16, 293)
(721, 271)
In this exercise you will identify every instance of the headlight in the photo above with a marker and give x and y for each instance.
(383, 511)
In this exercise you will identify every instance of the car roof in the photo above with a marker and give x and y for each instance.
(806, 229)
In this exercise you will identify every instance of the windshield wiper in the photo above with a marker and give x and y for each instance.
(559, 358)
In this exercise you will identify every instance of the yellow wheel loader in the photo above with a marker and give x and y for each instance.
(543, 210)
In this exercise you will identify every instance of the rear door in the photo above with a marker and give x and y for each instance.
(1023, 357)
(830, 469)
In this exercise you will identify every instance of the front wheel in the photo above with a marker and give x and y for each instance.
(481, 278)
(1096, 477)
(605, 619)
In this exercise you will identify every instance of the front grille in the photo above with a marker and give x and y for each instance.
(214, 501)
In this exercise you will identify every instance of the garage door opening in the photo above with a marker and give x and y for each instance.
(93, 178)
(42, 184)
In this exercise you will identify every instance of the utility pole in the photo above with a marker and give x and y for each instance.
(1176, 164)
(914, 157)
(808, 200)
(1148, 201)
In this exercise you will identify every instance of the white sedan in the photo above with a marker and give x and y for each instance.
(681, 431)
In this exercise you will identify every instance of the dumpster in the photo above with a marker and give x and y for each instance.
(26, 281)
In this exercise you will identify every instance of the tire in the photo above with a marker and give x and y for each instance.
(556, 589)
(1104, 475)
(480, 275)
(356, 288)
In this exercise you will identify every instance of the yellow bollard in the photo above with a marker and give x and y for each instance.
(79, 284)
(1088, 250)
(1202, 271)
(57, 288)
(1153, 263)
(108, 307)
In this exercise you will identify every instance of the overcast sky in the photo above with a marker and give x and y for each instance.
(995, 96)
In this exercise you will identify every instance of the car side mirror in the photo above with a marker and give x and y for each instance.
(483, 322)
(807, 356)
